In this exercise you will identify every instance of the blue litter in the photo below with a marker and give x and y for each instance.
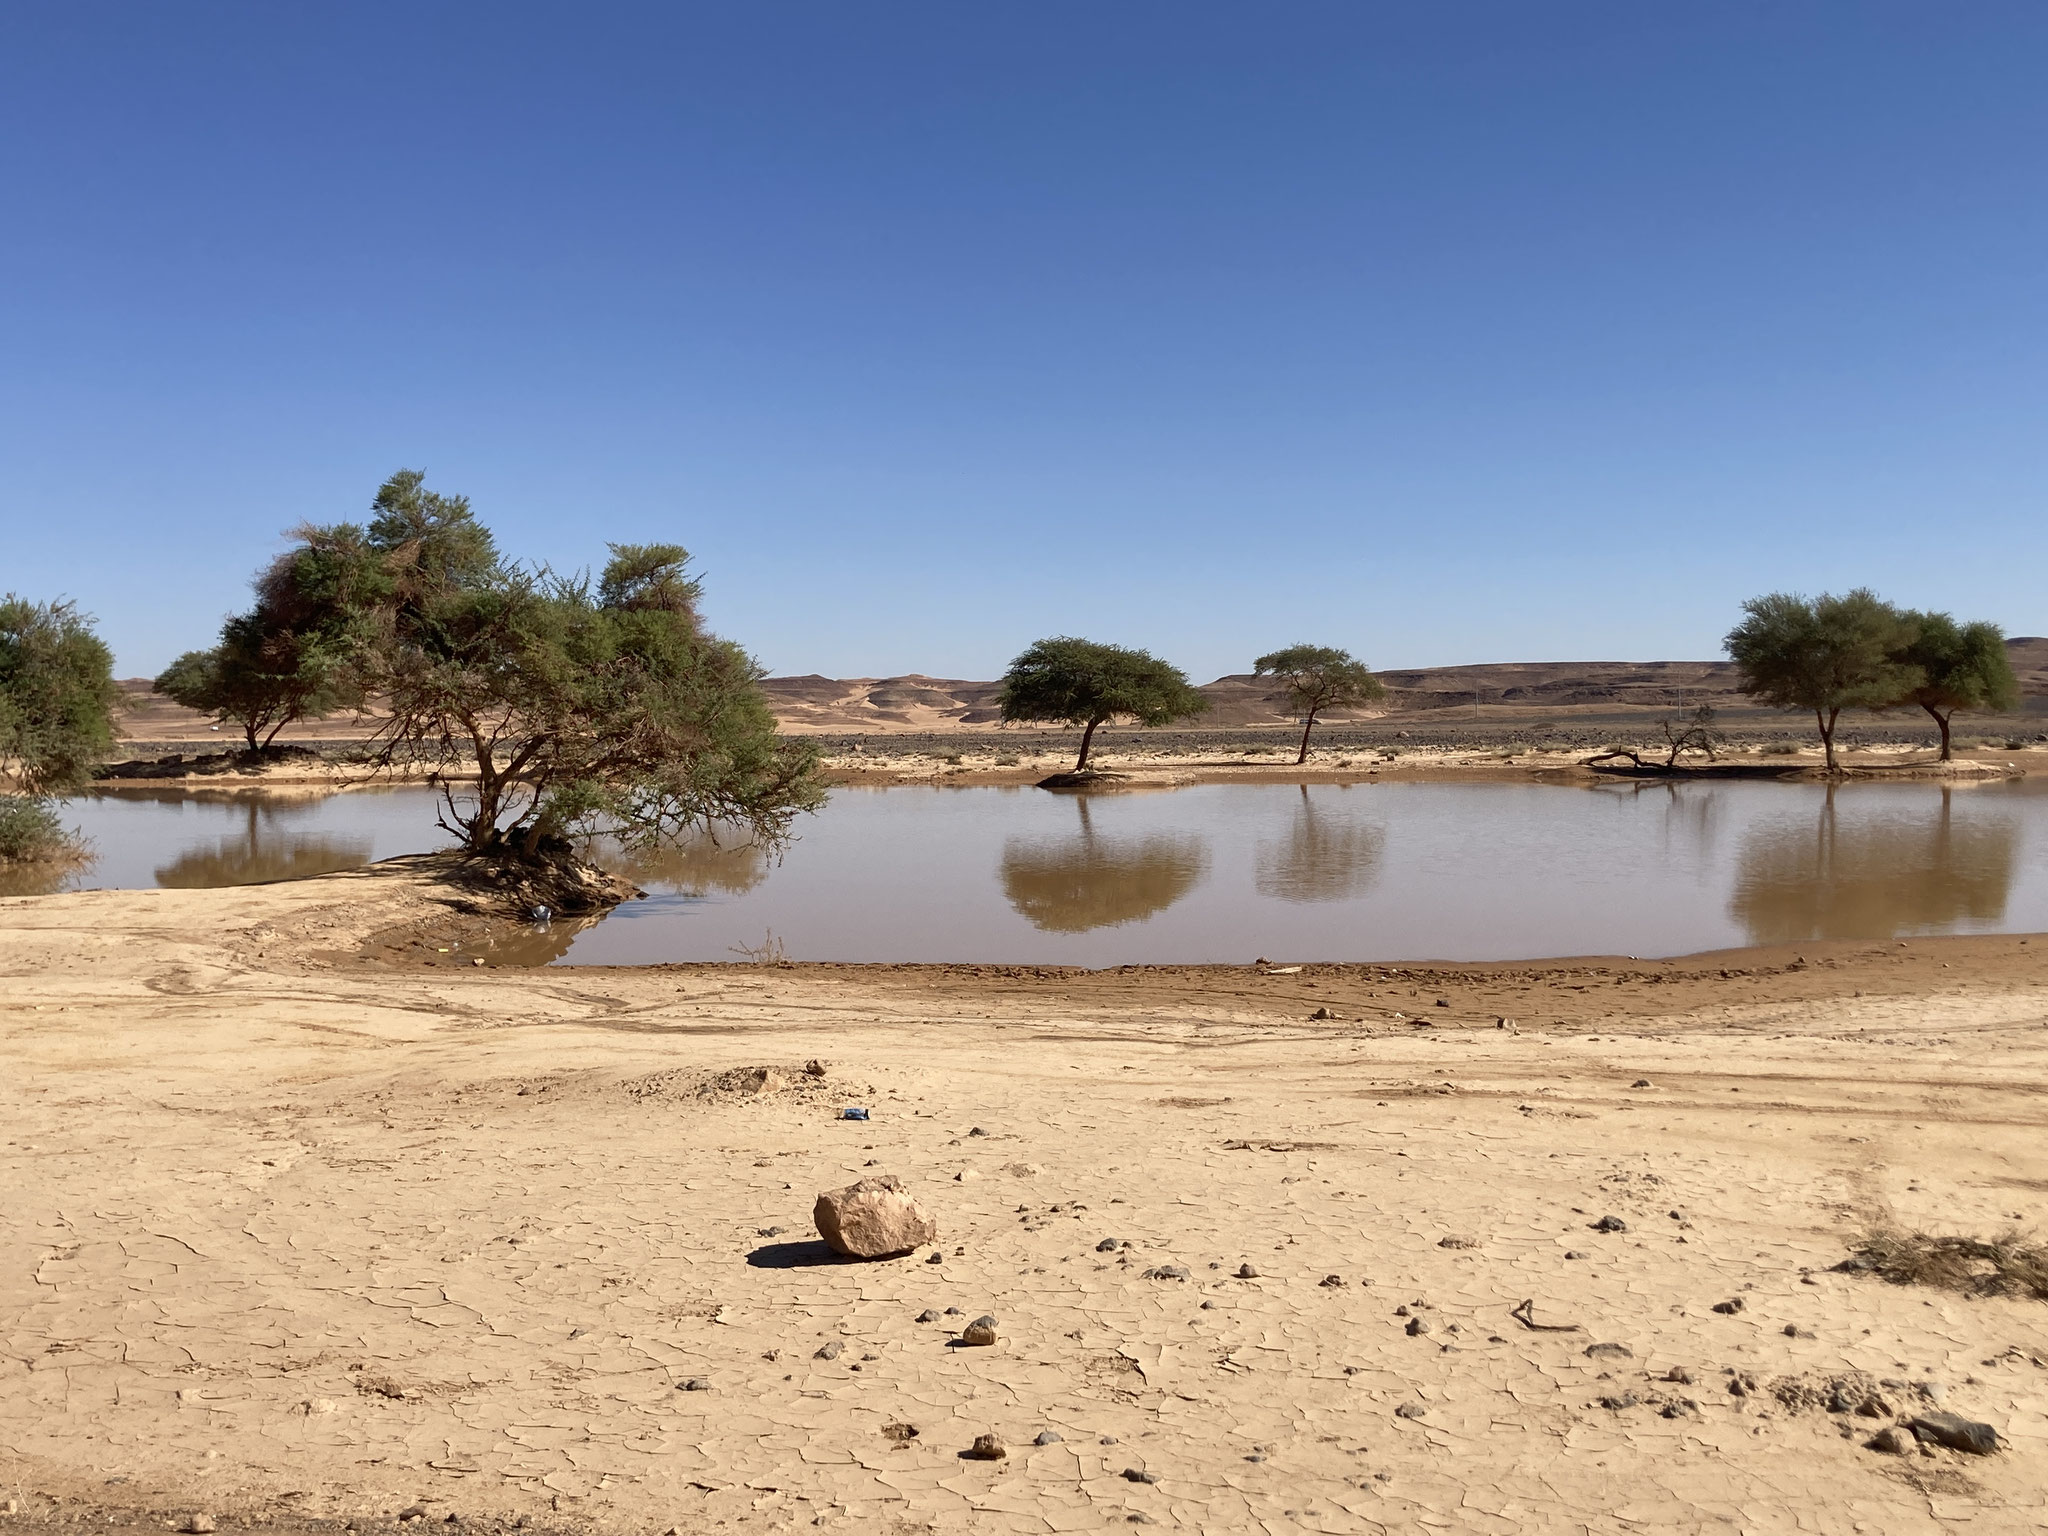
(853, 1112)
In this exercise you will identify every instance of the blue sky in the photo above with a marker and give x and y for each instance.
(1442, 331)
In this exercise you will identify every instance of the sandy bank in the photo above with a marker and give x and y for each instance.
(294, 1234)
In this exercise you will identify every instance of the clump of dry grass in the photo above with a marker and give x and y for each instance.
(2010, 1264)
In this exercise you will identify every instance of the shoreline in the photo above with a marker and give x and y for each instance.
(307, 1237)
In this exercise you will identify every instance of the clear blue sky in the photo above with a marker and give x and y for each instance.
(1442, 331)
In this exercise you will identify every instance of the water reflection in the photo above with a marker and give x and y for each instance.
(1873, 877)
(1323, 857)
(264, 850)
(723, 861)
(1098, 880)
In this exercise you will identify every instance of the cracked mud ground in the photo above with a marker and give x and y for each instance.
(297, 1238)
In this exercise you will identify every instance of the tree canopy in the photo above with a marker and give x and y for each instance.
(1954, 666)
(1824, 654)
(57, 695)
(1314, 678)
(1086, 683)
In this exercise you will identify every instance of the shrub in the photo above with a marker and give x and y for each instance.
(30, 833)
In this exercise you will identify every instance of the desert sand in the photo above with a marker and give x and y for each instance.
(295, 1233)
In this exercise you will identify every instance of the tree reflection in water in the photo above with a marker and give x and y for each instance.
(264, 851)
(724, 860)
(1098, 881)
(1323, 857)
(1875, 878)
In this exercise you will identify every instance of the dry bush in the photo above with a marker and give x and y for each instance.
(2010, 1264)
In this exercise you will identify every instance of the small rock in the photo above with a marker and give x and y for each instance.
(814, 1068)
(1410, 1411)
(937, 1258)
(200, 1525)
(1610, 1224)
(927, 1316)
(1679, 1374)
(695, 1384)
(1167, 1272)
(1246, 1272)
(1107, 1440)
(1417, 1326)
(1729, 1307)
(1331, 1282)
(829, 1350)
(1320, 1015)
(1641, 1082)
(1573, 1253)
(1457, 1242)
(1794, 1331)
(1139, 1475)
(902, 1434)
(987, 1448)
(982, 1331)
(977, 1131)
(1110, 1245)
(1048, 1437)
(763, 1080)
(1617, 1404)
(1891, 1440)
(1609, 1352)
(1955, 1432)
(954, 1312)
(1443, 1002)
(767, 1231)
(966, 1176)
(873, 1219)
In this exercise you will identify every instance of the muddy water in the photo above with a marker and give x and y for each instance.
(1223, 872)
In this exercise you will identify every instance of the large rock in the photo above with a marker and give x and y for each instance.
(1956, 1432)
(873, 1219)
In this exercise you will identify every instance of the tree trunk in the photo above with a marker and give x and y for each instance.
(1087, 737)
(1826, 722)
(1306, 726)
(249, 730)
(1941, 720)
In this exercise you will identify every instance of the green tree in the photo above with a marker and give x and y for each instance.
(1825, 654)
(263, 676)
(578, 710)
(57, 696)
(1954, 666)
(1314, 678)
(1087, 684)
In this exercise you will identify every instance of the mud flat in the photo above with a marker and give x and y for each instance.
(298, 1233)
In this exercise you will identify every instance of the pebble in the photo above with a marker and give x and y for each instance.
(1610, 1224)
(1167, 1272)
(1410, 1411)
(200, 1524)
(988, 1448)
(696, 1384)
(1729, 1307)
(1246, 1272)
(768, 1232)
(1110, 1245)
(1893, 1441)
(1609, 1352)
(1642, 1082)
(936, 1259)
(1573, 1253)
(1457, 1242)
(827, 1351)
(1679, 1374)
(1139, 1475)
(927, 1316)
(1794, 1331)
(1331, 1282)
(1321, 1014)
(977, 1131)
(1417, 1326)
(1047, 1437)
(954, 1312)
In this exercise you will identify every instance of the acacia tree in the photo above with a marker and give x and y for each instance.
(57, 696)
(578, 709)
(1954, 666)
(1087, 684)
(1824, 654)
(1318, 677)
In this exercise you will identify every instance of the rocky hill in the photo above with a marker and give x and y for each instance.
(827, 706)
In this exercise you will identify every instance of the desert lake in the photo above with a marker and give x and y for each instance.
(1216, 873)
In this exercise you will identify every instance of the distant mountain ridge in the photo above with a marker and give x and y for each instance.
(828, 706)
